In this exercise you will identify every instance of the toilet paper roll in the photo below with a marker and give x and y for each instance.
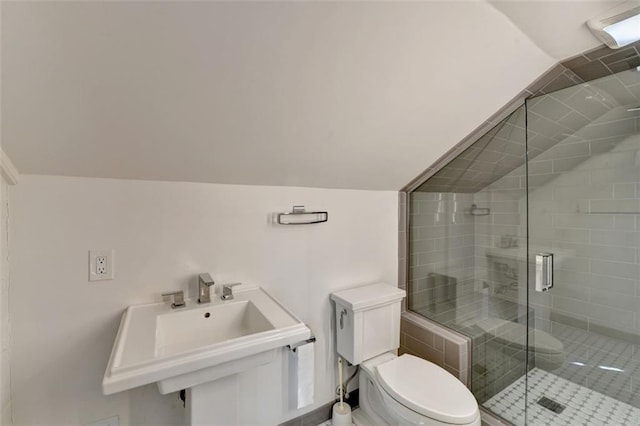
(341, 414)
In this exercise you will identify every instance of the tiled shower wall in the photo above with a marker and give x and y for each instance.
(442, 245)
(583, 199)
(583, 209)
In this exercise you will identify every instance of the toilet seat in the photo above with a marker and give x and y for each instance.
(427, 389)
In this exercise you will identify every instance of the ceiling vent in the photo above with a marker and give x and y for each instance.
(619, 26)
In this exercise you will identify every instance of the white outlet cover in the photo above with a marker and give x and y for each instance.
(109, 267)
(111, 421)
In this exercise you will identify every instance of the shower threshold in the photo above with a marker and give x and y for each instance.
(581, 405)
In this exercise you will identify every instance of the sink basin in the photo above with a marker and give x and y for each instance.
(184, 347)
(186, 330)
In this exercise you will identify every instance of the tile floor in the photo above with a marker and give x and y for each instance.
(605, 364)
(583, 406)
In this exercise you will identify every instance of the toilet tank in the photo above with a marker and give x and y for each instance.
(367, 321)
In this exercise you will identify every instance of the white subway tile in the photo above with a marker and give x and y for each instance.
(615, 175)
(565, 150)
(421, 246)
(572, 306)
(613, 284)
(550, 108)
(506, 219)
(624, 222)
(538, 166)
(615, 238)
(583, 221)
(601, 296)
(607, 129)
(566, 164)
(615, 206)
(615, 269)
(572, 235)
(620, 254)
(577, 292)
(570, 263)
(572, 277)
(586, 191)
(616, 318)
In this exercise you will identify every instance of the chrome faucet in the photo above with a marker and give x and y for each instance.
(205, 282)
(176, 298)
(227, 291)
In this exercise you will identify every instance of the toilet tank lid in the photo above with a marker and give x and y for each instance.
(368, 296)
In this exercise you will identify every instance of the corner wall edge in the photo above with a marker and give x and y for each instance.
(7, 169)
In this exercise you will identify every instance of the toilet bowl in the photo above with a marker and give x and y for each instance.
(408, 390)
(395, 390)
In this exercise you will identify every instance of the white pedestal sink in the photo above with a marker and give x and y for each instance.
(201, 348)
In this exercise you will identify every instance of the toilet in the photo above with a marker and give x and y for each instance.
(395, 390)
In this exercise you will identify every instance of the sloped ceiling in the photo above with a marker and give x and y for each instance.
(340, 95)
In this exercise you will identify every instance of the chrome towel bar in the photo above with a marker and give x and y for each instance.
(295, 346)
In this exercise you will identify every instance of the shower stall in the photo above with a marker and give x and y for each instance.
(528, 243)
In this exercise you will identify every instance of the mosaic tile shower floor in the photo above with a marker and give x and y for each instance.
(583, 406)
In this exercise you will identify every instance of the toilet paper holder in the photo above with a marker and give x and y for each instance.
(295, 346)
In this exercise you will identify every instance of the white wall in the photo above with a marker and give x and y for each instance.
(164, 234)
(5, 332)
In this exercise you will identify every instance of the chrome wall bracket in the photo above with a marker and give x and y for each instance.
(299, 216)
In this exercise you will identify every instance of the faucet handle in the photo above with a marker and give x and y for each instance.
(227, 291)
(175, 297)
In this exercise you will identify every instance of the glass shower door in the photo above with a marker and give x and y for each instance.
(583, 146)
(467, 258)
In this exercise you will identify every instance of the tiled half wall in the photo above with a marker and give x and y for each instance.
(428, 340)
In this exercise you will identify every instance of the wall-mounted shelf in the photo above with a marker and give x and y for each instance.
(299, 216)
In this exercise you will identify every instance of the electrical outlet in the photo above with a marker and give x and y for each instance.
(111, 421)
(101, 265)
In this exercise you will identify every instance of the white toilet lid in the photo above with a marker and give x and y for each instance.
(427, 389)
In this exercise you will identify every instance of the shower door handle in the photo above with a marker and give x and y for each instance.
(544, 271)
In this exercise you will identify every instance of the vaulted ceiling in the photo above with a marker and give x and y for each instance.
(341, 95)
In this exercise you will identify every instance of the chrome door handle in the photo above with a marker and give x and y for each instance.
(544, 271)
